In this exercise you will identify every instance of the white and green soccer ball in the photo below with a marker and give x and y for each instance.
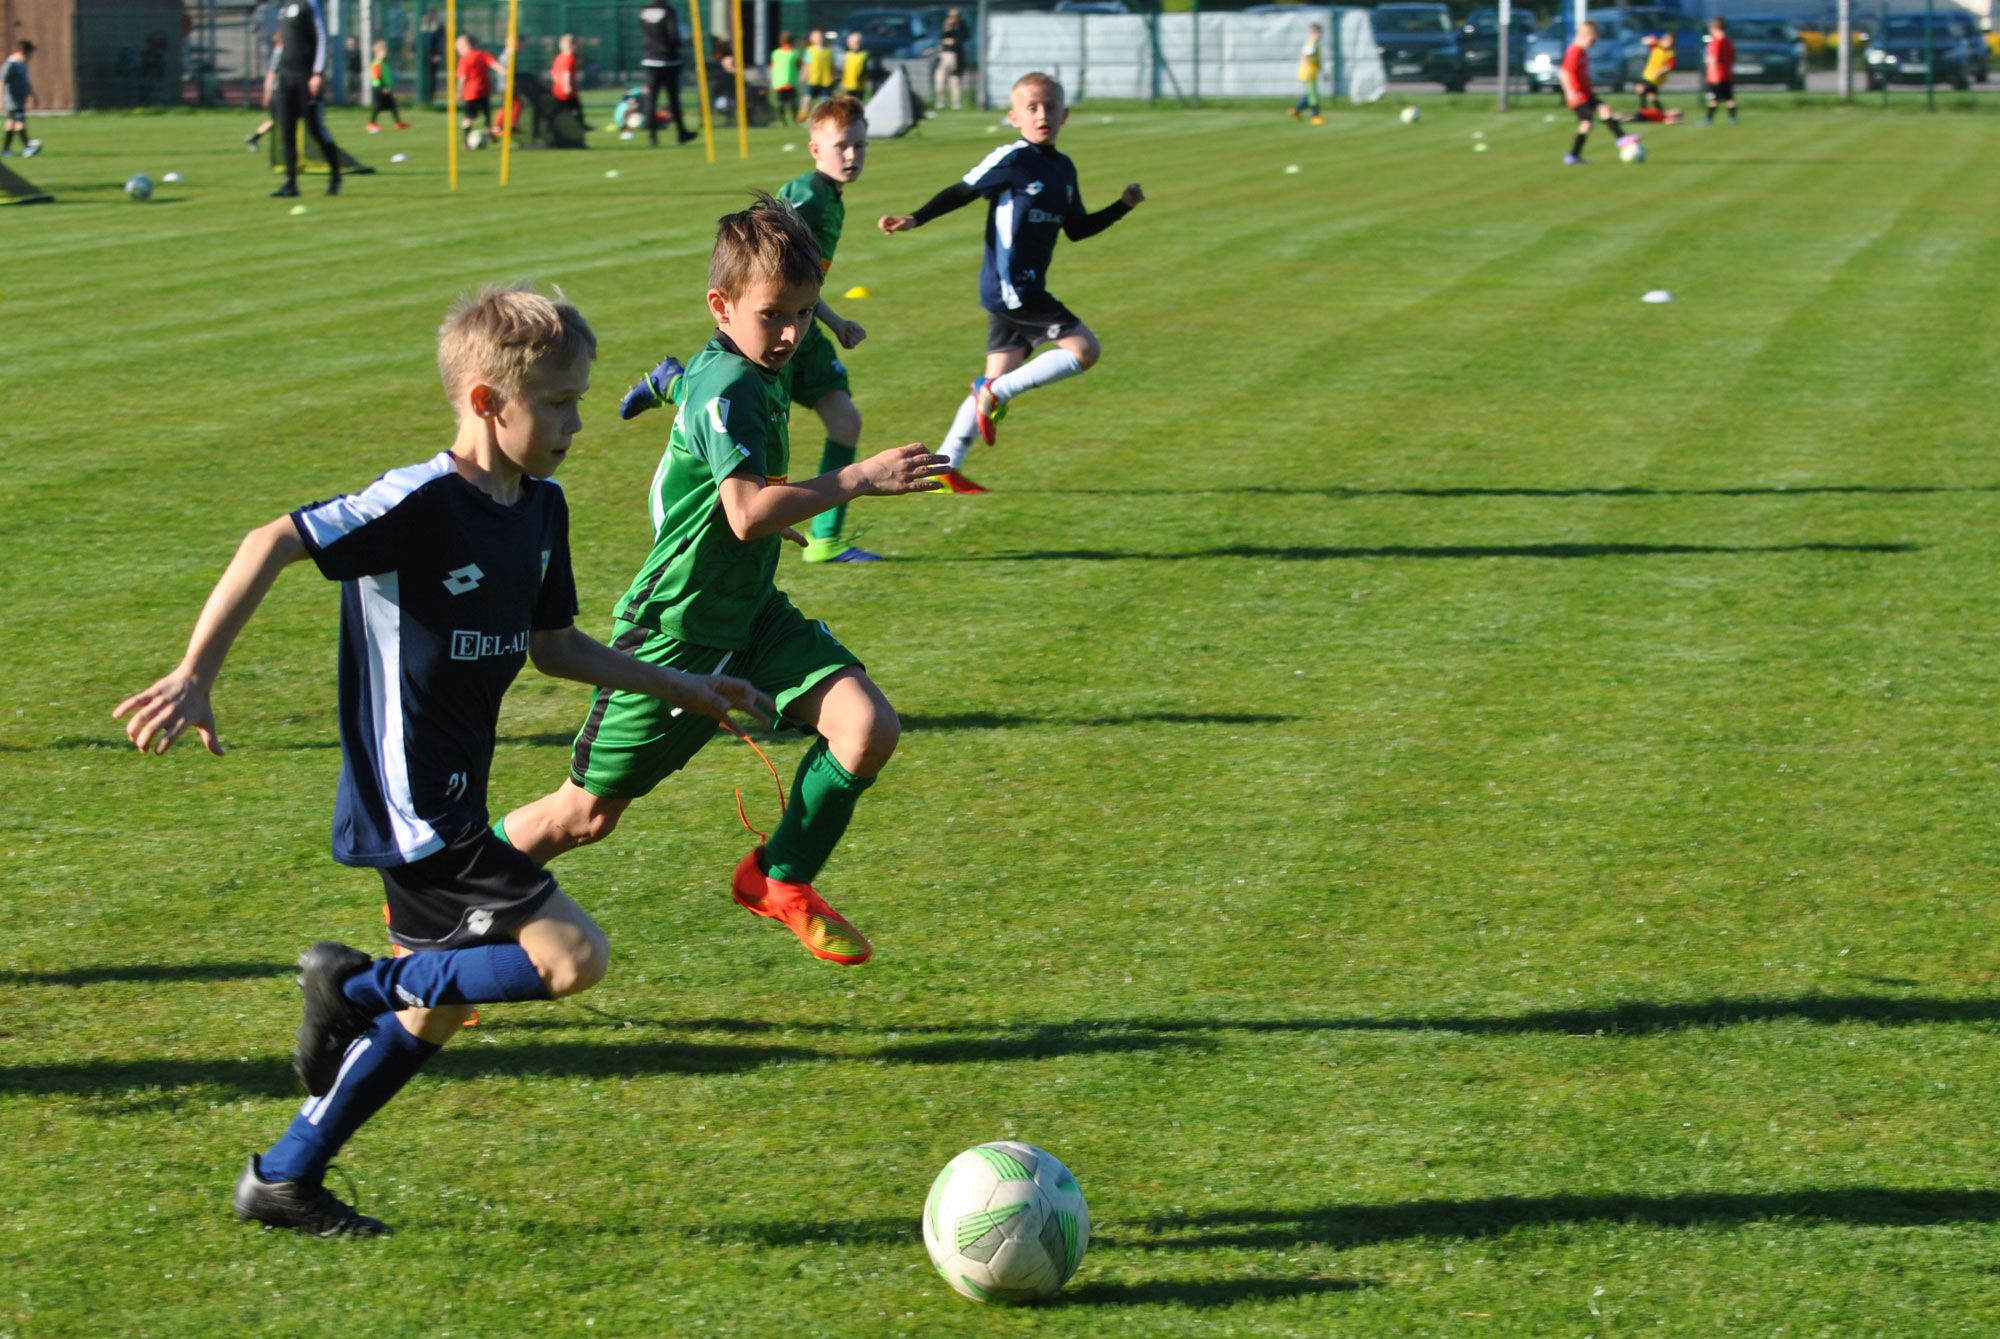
(1412, 115)
(1632, 150)
(140, 186)
(475, 139)
(1006, 1222)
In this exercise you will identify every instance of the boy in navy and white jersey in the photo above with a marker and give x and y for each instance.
(1033, 196)
(453, 573)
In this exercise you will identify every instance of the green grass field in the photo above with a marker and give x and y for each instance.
(1458, 802)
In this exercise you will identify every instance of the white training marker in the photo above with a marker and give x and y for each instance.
(789, 148)
(171, 176)
(1479, 134)
(1481, 147)
(612, 175)
(1292, 169)
(1658, 295)
(399, 158)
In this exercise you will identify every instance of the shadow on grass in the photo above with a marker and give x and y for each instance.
(506, 1048)
(1201, 1293)
(1369, 1224)
(145, 972)
(1330, 553)
(1340, 491)
(998, 720)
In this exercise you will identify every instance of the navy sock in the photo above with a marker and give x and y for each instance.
(488, 974)
(374, 1070)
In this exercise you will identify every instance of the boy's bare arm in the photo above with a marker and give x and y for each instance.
(755, 508)
(849, 333)
(570, 653)
(181, 698)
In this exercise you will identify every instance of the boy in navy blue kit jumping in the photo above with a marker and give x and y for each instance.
(1033, 196)
(453, 572)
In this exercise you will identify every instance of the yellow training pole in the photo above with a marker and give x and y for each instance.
(742, 112)
(701, 81)
(451, 87)
(507, 103)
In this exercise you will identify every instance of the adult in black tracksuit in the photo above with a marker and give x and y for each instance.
(296, 96)
(660, 24)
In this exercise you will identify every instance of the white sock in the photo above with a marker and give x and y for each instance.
(1053, 366)
(959, 440)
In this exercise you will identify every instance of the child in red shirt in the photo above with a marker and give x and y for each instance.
(1719, 71)
(1581, 98)
(475, 85)
(562, 76)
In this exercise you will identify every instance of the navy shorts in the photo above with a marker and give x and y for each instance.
(477, 890)
(1040, 319)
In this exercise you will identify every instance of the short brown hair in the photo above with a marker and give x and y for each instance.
(495, 336)
(840, 113)
(766, 241)
(1036, 79)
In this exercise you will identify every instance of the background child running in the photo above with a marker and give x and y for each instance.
(818, 379)
(382, 87)
(785, 78)
(706, 598)
(562, 77)
(15, 90)
(1659, 64)
(1032, 196)
(1719, 70)
(1309, 58)
(819, 72)
(1581, 98)
(453, 572)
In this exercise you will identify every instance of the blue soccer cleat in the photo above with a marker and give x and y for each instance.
(652, 390)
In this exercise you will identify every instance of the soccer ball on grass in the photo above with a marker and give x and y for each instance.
(475, 139)
(140, 187)
(1006, 1222)
(1411, 115)
(1632, 149)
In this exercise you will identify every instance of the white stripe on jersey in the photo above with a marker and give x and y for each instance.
(382, 618)
(1003, 249)
(993, 160)
(330, 520)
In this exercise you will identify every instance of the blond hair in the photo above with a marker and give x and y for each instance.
(1036, 79)
(495, 336)
(766, 241)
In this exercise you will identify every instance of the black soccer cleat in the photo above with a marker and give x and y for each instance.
(286, 191)
(331, 1020)
(300, 1206)
(333, 185)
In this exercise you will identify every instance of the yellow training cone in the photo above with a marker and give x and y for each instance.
(857, 292)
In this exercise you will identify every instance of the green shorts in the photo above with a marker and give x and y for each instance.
(630, 743)
(817, 371)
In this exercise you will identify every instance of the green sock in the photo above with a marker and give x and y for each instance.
(500, 829)
(823, 796)
(836, 456)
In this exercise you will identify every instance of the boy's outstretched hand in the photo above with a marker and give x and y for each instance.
(1133, 195)
(902, 469)
(716, 695)
(893, 223)
(162, 712)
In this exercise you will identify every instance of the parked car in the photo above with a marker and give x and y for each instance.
(1978, 53)
(1899, 53)
(1616, 58)
(1479, 39)
(1768, 51)
(1420, 44)
(891, 34)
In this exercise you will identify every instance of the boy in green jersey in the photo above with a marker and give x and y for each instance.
(839, 146)
(706, 594)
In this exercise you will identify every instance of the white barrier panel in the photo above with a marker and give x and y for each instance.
(1114, 56)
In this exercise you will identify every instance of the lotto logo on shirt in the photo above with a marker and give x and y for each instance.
(479, 645)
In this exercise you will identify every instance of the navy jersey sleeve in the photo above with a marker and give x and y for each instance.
(368, 533)
(1079, 223)
(555, 607)
(992, 173)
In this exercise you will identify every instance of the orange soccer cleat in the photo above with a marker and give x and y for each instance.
(824, 931)
(954, 482)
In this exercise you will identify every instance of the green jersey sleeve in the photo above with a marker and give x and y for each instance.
(822, 209)
(727, 426)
